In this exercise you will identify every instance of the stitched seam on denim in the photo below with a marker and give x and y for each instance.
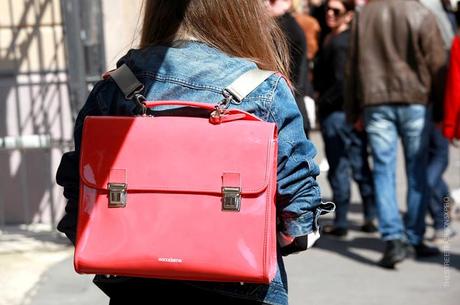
(272, 96)
(291, 157)
(273, 115)
(265, 97)
(272, 93)
(182, 82)
(261, 102)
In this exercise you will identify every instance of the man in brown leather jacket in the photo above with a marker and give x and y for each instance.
(396, 52)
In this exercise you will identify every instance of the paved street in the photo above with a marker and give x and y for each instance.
(36, 268)
(344, 272)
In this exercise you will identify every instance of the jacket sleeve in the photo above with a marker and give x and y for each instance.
(352, 103)
(435, 56)
(298, 198)
(451, 126)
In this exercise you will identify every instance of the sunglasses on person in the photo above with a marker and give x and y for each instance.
(337, 12)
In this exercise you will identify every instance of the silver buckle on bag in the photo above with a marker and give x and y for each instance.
(231, 200)
(117, 195)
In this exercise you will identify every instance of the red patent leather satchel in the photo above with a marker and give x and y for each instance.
(178, 197)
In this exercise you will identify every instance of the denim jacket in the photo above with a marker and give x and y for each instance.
(193, 71)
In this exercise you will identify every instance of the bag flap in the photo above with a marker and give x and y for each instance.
(176, 154)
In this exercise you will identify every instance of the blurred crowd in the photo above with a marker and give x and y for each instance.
(371, 73)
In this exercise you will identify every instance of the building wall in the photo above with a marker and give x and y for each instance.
(122, 23)
(33, 101)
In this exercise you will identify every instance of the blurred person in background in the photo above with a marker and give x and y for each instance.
(359, 4)
(396, 52)
(438, 145)
(345, 147)
(442, 19)
(318, 11)
(297, 44)
(451, 120)
(450, 6)
(311, 28)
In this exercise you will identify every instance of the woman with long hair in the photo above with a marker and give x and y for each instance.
(192, 50)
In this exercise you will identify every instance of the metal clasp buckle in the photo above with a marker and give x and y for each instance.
(231, 200)
(221, 107)
(117, 195)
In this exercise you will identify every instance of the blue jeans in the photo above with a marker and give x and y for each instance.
(383, 126)
(438, 159)
(347, 155)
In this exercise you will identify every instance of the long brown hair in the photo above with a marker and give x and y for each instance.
(240, 28)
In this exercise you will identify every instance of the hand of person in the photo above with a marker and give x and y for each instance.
(284, 240)
(292, 245)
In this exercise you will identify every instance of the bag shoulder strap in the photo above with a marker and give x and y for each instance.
(247, 83)
(126, 81)
(239, 89)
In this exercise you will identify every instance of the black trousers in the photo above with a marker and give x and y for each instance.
(142, 292)
(206, 299)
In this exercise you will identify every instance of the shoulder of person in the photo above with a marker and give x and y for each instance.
(342, 39)
(271, 85)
